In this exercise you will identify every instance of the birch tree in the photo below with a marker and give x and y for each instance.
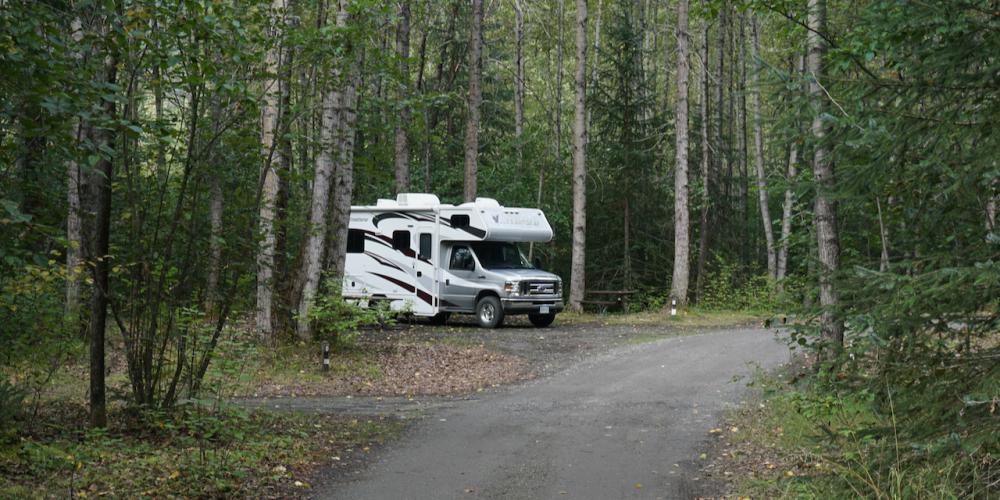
(758, 143)
(270, 179)
(679, 283)
(578, 264)
(825, 211)
(791, 171)
(316, 235)
(475, 98)
(343, 190)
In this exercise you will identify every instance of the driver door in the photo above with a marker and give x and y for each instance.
(458, 286)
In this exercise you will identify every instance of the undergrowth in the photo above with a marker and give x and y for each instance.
(905, 430)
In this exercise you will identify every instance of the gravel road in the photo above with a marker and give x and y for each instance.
(626, 423)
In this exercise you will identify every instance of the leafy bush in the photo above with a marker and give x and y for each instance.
(339, 321)
(724, 291)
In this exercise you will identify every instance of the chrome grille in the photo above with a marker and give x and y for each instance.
(540, 288)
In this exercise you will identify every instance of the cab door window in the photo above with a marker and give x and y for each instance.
(461, 259)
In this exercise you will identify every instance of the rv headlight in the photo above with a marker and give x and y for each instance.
(512, 287)
(558, 290)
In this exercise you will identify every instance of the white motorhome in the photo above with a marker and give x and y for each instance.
(434, 259)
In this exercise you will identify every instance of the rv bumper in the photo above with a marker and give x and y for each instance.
(532, 305)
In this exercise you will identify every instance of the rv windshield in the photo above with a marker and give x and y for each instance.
(500, 255)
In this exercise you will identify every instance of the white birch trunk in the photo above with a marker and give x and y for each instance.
(270, 182)
(343, 190)
(758, 150)
(789, 202)
(578, 266)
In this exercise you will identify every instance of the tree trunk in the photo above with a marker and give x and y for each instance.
(825, 212)
(74, 235)
(578, 266)
(101, 181)
(789, 202)
(519, 82)
(270, 181)
(316, 233)
(679, 283)
(474, 100)
(594, 75)
(344, 177)
(402, 141)
(758, 143)
(214, 247)
(704, 225)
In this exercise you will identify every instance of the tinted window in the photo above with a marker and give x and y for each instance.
(461, 259)
(425, 246)
(355, 241)
(500, 255)
(459, 221)
(401, 240)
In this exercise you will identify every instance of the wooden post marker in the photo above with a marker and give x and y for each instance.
(326, 356)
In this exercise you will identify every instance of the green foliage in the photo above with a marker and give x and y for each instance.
(340, 322)
(725, 291)
(187, 452)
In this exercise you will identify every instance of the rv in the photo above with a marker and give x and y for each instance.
(432, 260)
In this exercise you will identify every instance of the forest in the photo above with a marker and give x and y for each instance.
(175, 170)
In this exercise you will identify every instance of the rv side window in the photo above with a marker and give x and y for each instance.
(461, 259)
(401, 240)
(458, 221)
(425, 246)
(355, 241)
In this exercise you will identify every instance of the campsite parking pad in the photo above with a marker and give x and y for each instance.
(614, 413)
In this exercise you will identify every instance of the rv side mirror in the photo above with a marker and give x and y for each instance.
(537, 263)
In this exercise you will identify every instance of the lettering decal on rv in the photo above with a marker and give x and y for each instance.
(401, 215)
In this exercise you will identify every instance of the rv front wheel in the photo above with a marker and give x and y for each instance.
(489, 312)
(541, 320)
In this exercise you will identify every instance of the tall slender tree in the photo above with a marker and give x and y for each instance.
(825, 211)
(791, 171)
(578, 265)
(705, 220)
(270, 182)
(475, 99)
(101, 181)
(758, 143)
(343, 191)
(679, 283)
(402, 149)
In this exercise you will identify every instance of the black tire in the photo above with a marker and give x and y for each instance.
(489, 312)
(541, 320)
(440, 318)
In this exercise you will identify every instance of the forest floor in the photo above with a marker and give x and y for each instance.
(340, 417)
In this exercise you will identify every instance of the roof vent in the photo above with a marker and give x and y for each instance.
(487, 203)
(417, 199)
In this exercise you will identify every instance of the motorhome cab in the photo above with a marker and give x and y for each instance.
(433, 260)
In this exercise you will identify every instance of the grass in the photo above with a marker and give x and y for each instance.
(189, 452)
(798, 441)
